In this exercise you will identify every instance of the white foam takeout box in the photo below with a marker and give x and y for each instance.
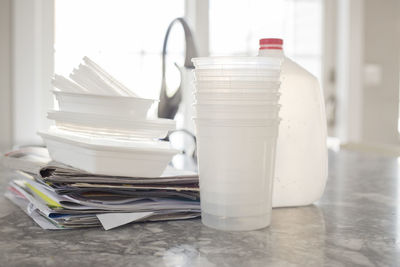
(134, 107)
(111, 125)
(109, 157)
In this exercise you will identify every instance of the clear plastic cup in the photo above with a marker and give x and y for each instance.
(205, 96)
(249, 103)
(236, 166)
(239, 91)
(236, 122)
(206, 101)
(225, 111)
(237, 72)
(242, 92)
(212, 75)
(261, 78)
(237, 62)
(242, 86)
(236, 138)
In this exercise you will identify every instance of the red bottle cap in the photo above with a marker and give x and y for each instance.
(271, 43)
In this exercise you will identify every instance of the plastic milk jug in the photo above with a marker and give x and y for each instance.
(301, 154)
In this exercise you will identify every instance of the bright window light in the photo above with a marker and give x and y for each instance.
(237, 25)
(125, 37)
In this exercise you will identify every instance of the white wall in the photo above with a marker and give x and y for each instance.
(329, 62)
(5, 81)
(196, 13)
(350, 30)
(32, 68)
(382, 50)
(368, 66)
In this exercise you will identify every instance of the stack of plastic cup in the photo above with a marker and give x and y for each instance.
(236, 118)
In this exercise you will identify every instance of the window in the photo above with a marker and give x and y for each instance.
(125, 37)
(237, 25)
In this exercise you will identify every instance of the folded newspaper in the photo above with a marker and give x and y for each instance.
(57, 196)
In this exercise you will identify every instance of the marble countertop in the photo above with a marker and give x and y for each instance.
(356, 223)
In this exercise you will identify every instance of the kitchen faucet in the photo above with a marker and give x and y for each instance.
(168, 106)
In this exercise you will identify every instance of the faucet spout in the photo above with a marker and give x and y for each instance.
(168, 105)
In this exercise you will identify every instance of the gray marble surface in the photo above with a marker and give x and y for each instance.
(356, 223)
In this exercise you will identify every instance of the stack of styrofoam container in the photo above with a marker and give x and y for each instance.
(103, 128)
(236, 120)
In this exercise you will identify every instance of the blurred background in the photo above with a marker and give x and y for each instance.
(352, 47)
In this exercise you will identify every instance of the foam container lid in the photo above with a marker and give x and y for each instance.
(111, 121)
(129, 99)
(104, 104)
(104, 144)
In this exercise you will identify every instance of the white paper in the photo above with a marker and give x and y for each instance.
(24, 204)
(112, 220)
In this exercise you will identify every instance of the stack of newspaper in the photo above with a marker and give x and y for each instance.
(57, 196)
